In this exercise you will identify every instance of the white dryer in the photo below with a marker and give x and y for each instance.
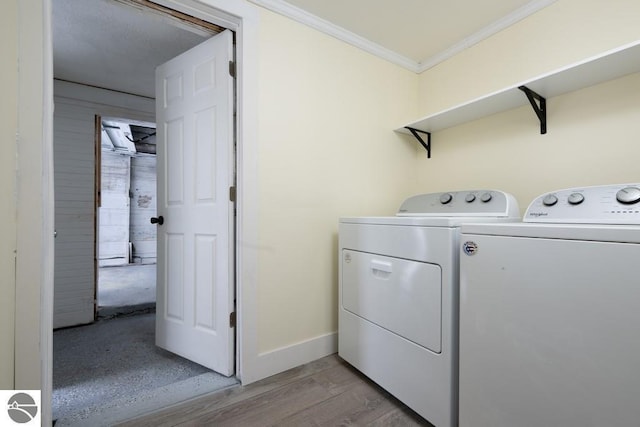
(398, 295)
(550, 313)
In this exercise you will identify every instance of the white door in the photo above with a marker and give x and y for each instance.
(195, 291)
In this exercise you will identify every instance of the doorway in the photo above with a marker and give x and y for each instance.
(126, 178)
(105, 107)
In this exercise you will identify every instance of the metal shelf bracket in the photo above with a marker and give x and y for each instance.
(416, 133)
(539, 107)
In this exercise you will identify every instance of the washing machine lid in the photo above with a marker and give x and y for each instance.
(584, 232)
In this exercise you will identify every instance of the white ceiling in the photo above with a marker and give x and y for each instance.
(110, 45)
(107, 44)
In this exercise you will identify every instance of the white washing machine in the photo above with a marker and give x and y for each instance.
(550, 313)
(398, 297)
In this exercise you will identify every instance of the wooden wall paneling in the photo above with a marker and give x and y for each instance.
(143, 207)
(74, 277)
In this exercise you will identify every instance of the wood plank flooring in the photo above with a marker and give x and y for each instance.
(326, 392)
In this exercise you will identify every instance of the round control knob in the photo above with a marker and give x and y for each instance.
(628, 195)
(486, 197)
(549, 200)
(575, 198)
(470, 197)
(445, 198)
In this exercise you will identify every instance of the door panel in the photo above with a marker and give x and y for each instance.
(195, 170)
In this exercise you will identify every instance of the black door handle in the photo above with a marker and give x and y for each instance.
(159, 220)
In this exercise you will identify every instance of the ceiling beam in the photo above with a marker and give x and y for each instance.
(172, 13)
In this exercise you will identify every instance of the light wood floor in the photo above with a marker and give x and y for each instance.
(326, 392)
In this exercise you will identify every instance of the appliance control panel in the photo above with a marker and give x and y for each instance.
(476, 203)
(605, 204)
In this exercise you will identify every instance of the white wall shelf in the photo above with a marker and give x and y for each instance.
(601, 68)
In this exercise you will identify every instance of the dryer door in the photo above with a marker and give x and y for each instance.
(399, 295)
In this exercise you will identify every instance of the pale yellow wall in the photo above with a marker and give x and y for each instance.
(592, 133)
(566, 32)
(592, 139)
(327, 150)
(8, 128)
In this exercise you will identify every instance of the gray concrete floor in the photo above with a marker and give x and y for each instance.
(111, 370)
(129, 285)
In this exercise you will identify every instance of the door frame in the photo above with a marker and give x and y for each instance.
(119, 115)
(97, 203)
(34, 269)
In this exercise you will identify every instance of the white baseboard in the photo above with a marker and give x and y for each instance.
(284, 358)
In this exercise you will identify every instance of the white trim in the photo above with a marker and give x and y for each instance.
(48, 220)
(286, 9)
(486, 32)
(284, 358)
(247, 195)
(283, 8)
(35, 245)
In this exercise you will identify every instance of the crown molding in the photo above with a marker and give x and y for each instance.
(486, 32)
(286, 9)
(283, 8)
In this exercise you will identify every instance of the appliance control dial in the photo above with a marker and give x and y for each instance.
(486, 197)
(445, 198)
(575, 198)
(603, 204)
(460, 204)
(628, 195)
